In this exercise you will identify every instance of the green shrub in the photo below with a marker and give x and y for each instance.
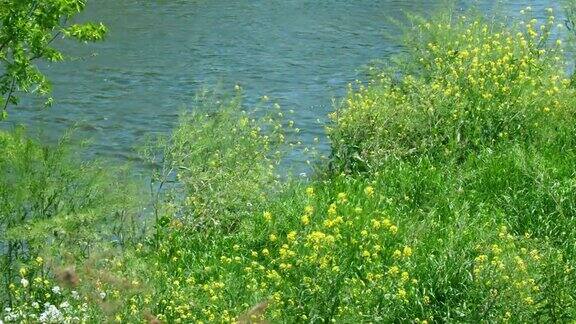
(466, 84)
(223, 159)
(53, 208)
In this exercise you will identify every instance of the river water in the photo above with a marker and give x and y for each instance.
(300, 53)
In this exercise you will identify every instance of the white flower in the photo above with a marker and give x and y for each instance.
(64, 305)
(35, 305)
(51, 314)
(12, 316)
(75, 295)
(56, 290)
(102, 295)
(24, 282)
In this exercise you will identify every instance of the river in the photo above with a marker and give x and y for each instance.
(300, 53)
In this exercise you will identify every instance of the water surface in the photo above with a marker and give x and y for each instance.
(301, 53)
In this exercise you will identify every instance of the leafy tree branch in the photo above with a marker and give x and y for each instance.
(27, 30)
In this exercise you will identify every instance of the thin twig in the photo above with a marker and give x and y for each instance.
(12, 86)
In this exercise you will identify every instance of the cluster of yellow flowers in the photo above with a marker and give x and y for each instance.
(346, 255)
(486, 63)
(509, 271)
(475, 83)
(345, 242)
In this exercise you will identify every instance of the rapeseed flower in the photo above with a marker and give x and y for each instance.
(310, 191)
(369, 191)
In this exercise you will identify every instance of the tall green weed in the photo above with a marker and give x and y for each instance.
(54, 208)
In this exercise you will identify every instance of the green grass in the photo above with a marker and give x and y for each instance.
(54, 213)
(449, 198)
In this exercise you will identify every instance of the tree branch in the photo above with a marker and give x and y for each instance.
(12, 88)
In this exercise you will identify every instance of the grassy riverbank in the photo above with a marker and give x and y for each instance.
(449, 196)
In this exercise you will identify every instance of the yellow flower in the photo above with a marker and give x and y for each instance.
(305, 219)
(405, 276)
(332, 210)
(496, 249)
(401, 294)
(291, 236)
(273, 237)
(397, 254)
(267, 216)
(407, 251)
(394, 270)
(520, 263)
(481, 258)
(534, 254)
(310, 191)
(393, 229)
(426, 300)
(318, 238)
(369, 191)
